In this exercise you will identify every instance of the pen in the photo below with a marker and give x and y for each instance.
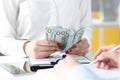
(94, 61)
(113, 49)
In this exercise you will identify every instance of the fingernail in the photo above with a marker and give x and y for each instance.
(74, 46)
(70, 50)
(59, 46)
(67, 52)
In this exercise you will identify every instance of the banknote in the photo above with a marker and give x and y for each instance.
(78, 35)
(74, 38)
(49, 32)
(61, 35)
(67, 37)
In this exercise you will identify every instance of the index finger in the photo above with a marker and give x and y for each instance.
(97, 54)
(102, 49)
(46, 43)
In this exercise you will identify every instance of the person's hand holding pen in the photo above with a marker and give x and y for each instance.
(107, 57)
(41, 48)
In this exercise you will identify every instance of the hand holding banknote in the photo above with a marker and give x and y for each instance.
(40, 48)
(70, 40)
(60, 39)
(80, 48)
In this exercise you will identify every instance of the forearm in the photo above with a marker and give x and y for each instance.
(12, 47)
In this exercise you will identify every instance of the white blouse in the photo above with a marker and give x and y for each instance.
(22, 20)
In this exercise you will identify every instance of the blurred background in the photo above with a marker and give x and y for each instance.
(106, 22)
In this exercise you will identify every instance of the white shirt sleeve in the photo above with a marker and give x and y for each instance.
(81, 72)
(86, 20)
(9, 45)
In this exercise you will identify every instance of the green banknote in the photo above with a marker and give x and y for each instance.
(78, 35)
(67, 37)
(61, 35)
(74, 38)
(49, 32)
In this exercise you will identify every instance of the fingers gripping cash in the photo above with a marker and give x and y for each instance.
(67, 37)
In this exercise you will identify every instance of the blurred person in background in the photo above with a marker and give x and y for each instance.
(22, 24)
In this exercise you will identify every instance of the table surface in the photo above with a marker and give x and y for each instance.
(18, 73)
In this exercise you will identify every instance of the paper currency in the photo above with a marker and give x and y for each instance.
(67, 37)
(61, 35)
(78, 35)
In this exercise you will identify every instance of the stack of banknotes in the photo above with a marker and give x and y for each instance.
(67, 37)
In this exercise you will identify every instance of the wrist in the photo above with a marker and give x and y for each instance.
(25, 47)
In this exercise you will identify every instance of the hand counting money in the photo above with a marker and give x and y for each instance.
(67, 37)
